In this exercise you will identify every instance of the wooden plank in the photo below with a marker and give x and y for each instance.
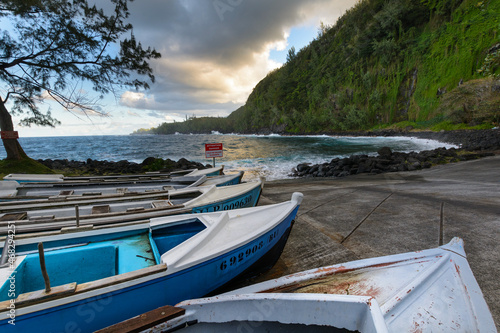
(101, 209)
(40, 296)
(14, 216)
(161, 204)
(145, 320)
(112, 280)
(42, 218)
(135, 209)
(66, 192)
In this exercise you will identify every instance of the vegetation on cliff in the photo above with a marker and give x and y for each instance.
(419, 63)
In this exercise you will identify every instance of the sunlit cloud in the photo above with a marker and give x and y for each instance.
(137, 100)
(213, 55)
(133, 114)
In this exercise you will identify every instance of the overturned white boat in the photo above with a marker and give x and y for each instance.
(426, 291)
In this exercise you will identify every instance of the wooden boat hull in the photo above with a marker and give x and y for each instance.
(87, 308)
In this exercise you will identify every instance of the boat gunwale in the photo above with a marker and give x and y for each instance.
(206, 306)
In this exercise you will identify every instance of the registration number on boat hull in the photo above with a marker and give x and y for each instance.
(255, 249)
(246, 200)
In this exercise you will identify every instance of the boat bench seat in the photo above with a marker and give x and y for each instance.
(135, 209)
(161, 204)
(91, 193)
(13, 216)
(101, 209)
(66, 192)
(41, 218)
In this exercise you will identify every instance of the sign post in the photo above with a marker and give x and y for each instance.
(213, 150)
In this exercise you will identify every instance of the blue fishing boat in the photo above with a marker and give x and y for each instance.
(87, 280)
(34, 216)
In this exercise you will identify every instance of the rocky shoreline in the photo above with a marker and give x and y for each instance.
(473, 145)
(386, 161)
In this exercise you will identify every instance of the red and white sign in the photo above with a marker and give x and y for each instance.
(213, 150)
(9, 135)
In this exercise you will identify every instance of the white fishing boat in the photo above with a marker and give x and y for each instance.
(426, 291)
(53, 215)
(45, 190)
(91, 279)
(11, 190)
(54, 178)
(71, 199)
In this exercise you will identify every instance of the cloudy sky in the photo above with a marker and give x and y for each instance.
(213, 53)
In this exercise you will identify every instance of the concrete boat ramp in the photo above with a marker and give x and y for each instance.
(364, 216)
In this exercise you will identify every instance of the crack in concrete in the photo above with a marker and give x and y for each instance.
(364, 219)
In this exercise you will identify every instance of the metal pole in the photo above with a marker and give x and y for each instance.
(214, 161)
(3, 261)
(77, 215)
(441, 224)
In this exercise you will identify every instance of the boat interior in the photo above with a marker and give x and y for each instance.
(123, 206)
(89, 258)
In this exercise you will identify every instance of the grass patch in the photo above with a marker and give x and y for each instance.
(450, 126)
(437, 124)
(26, 165)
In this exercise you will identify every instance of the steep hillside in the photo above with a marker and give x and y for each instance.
(422, 62)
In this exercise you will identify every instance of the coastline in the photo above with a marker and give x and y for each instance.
(482, 142)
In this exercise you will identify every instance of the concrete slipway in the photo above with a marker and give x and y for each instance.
(367, 216)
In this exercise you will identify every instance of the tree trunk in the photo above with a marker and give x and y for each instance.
(12, 146)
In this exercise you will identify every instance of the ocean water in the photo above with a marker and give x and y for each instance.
(271, 156)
